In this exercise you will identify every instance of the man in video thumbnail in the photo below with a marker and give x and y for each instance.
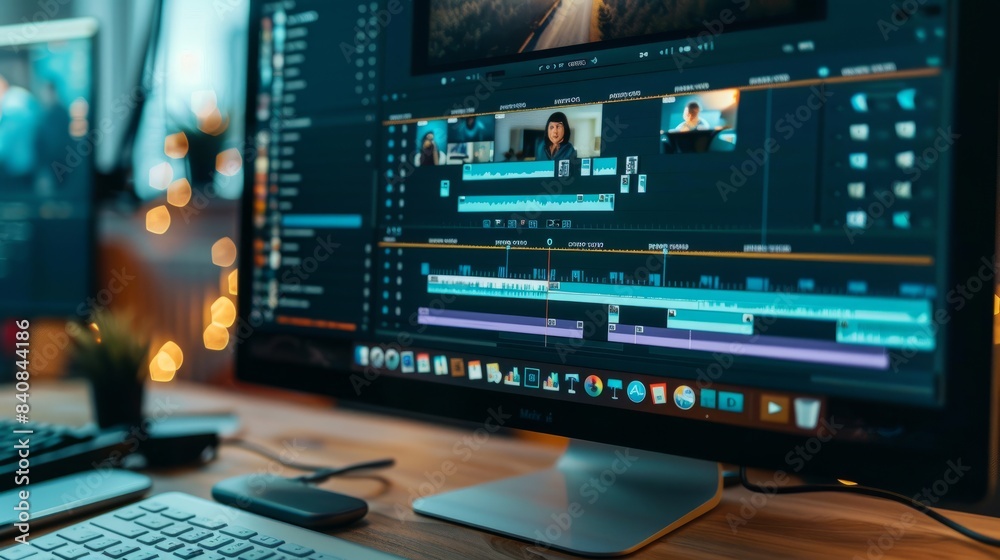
(556, 144)
(692, 119)
(429, 152)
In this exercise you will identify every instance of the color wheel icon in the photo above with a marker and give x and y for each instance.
(593, 385)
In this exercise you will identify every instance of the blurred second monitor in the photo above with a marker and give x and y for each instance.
(47, 141)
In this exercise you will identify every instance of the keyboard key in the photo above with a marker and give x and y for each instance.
(79, 534)
(216, 542)
(170, 546)
(48, 543)
(188, 552)
(150, 539)
(154, 523)
(119, 527)
(256, 554)
(238, 532)
(101, 544)
(153, 507)
(296, 550)
(206, 523)
(177, 529)
(269, 542)
(319, 556)
(195, 536)
(235, 549)
(71, 552)
(18, 552)
(141, 555)
(177, 515)
(129, 514)
(121, 550)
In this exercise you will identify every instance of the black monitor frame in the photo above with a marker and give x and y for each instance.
(971, 389)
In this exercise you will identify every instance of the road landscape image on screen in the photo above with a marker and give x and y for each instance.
(466, 30)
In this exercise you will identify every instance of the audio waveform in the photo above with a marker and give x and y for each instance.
(605, 166)
(508, 170)
(538, 203)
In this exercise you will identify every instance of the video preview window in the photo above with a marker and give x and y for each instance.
(545, 135)
(550, 134)
(466, 33)
(699, 123)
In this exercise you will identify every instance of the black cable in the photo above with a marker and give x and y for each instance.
(323, 475)
(877, 493)
(319, 473)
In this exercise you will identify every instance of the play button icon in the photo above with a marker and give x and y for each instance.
(774, 408)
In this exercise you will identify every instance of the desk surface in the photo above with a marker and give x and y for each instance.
(311, 430)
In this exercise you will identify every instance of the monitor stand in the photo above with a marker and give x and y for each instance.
(598, 500)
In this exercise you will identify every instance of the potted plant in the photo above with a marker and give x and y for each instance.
(110, 353)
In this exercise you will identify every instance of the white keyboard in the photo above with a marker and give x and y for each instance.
(176, 526)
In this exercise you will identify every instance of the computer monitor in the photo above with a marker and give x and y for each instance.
(47, 140)
(811, 291)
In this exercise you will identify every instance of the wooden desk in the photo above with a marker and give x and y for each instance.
(795, 526)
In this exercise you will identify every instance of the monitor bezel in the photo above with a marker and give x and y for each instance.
(970, 388)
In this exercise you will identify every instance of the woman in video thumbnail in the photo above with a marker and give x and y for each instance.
(556, 145)
(429, 152)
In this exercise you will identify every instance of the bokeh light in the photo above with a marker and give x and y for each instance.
(179, 193)
(158, 220)
(176, 145)
(160, 176)
(224, 252)
(223, 312)
(174, 351)
(229, 162)
(216, 337)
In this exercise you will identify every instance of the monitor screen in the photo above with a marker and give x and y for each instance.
(696, 222)
(46, 183)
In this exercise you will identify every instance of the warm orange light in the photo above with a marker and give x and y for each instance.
(171, 349)
(216, 337)
(97, 332)
(163, 367)
(176, 145)
(158, 220)
(229, 162)
(996, 305)
(165, 362)
(179, 193)
(233, 283)
(160, 176)
(847, 482)
(223, 312)
(224, 252)
(213, 124)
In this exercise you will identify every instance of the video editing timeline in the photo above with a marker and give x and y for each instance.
(693, 262)
(776, 211)
(692, 399)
